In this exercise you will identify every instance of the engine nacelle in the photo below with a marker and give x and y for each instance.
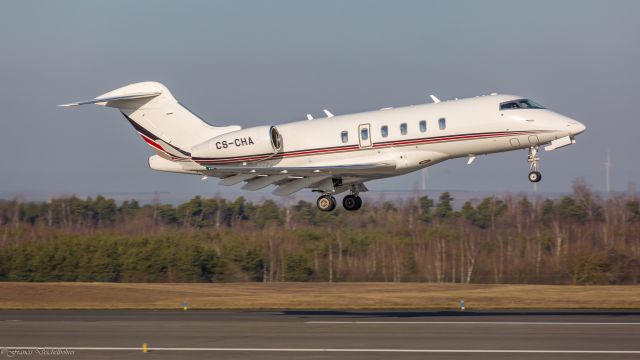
(253, 144)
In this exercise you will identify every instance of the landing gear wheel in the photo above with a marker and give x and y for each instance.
(535, 176)
(333, 203)
(326, 203)
(351, 202)
(533, 159)
(359, 199)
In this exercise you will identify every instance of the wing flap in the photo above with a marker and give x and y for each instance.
(262, 182)
(297, 185)
(235, 179)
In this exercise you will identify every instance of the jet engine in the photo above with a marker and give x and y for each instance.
(259, 141)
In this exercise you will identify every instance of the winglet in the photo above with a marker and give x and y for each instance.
(329, 114)
(435, 99)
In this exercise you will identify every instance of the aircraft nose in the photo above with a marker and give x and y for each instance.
(576, 127)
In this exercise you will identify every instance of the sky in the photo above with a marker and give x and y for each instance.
(270, 62)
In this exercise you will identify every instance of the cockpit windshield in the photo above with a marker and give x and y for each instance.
(520, 104)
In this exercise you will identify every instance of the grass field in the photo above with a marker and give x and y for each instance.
(314, 296)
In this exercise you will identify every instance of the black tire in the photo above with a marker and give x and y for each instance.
(359, 199)
(326, 203)
(535, 176)
(333, 203)
(351, 203)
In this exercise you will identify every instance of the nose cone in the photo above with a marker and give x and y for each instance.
(576, 127)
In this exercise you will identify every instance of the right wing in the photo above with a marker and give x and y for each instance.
(287, 179)
(292, 179)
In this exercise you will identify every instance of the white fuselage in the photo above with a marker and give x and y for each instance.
(472, 126)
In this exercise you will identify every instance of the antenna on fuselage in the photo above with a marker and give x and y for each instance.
(309, 117)
(329, 114)
(434, 98)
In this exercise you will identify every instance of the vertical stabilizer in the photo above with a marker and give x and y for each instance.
(166, 125)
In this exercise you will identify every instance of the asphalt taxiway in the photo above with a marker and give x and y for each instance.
(104, 334)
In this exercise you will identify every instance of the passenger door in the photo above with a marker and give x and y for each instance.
(364, 135)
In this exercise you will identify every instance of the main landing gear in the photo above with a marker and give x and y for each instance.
(350, 202)
(326, 202)
(535, 175)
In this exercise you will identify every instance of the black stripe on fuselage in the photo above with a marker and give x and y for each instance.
(151, 136)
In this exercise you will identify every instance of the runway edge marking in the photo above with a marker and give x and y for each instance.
(330, 350)
(469, 323)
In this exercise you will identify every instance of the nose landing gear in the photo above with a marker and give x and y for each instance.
(535, 175)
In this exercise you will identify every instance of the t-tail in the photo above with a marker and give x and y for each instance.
(165, 124)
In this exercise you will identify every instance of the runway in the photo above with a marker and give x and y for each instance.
(319, 334)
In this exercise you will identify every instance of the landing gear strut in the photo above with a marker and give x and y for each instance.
(326, 202)
(534, 176)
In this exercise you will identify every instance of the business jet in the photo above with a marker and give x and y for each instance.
(337, 154)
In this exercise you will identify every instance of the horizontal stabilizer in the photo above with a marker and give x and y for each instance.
(140, 95)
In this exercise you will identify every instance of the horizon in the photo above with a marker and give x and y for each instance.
(373, 196)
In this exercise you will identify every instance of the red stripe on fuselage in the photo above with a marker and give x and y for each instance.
(358, 148)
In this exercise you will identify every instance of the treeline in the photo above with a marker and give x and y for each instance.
(576, 239)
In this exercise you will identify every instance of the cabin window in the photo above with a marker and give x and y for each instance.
(442, 123)
(384, 131)
(364, 133)
(403, 128)
(423, 125)
(345, 136)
